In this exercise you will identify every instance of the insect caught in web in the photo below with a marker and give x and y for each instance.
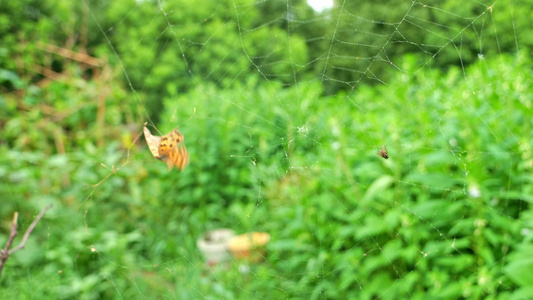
(168, 148)
(383, 152)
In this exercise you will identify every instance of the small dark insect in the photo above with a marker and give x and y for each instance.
(383, 152)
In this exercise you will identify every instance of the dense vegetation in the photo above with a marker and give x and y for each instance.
(279, 141)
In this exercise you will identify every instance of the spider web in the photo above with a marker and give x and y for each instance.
(301, 137)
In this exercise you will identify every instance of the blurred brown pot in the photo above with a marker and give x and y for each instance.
(249, 246)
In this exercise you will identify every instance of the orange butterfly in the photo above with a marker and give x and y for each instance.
(168, 148)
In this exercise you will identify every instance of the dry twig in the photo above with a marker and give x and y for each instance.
(5, 253)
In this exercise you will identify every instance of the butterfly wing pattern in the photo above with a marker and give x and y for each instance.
(153, 142)
(168, 148)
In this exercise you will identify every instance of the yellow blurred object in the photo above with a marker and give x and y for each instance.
(126, 139)
(249, 246)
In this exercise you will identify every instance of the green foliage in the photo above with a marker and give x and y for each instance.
(271, 149)
(441, 218)
(174, 41)
(366, 38)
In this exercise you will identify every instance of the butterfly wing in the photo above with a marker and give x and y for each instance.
(173, 151)
(177, 157)
(153, 142)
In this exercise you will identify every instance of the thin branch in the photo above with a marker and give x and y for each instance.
(77, 56)
(27, 234)
(5, 253)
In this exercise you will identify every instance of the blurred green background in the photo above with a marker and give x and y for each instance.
(282, 109)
